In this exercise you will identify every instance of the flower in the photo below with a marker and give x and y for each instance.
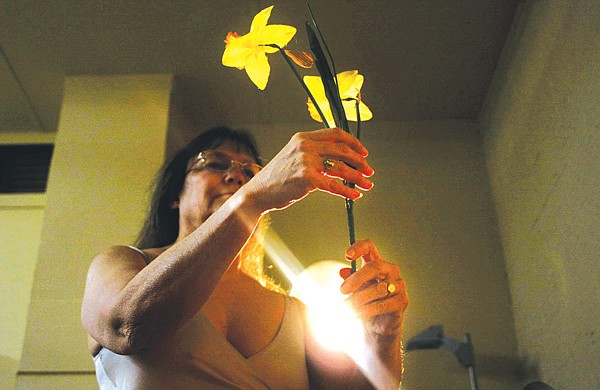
(349, 84)
(249, 51)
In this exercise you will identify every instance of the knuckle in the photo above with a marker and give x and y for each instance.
(339, 132)
(298, 136)
(304, 157)
(344, 149)
(302, 145)
(379, 266)
(382, 306)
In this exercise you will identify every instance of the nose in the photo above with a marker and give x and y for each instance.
(235, 175)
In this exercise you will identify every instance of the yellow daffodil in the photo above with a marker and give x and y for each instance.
(249, 51)
(349, 83)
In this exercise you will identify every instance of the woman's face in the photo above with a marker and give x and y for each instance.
(206, 189)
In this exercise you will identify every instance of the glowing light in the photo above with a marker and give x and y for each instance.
(333, 322)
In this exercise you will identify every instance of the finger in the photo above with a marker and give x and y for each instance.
(391, 302)
(396, 287)
(375, 291)
(342, 171)
(363, 248)
(335, 187)
(338, 135)
(379, 270)
(380, 307)
(343, 152)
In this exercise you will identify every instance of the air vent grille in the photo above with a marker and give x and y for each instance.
(24, 168)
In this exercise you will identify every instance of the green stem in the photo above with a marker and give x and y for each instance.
(349, 202)
(310, 95)
(358, 121)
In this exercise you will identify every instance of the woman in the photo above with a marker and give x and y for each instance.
(186, 311)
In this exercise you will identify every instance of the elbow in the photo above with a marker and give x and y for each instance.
(119, 336)
(128, 339)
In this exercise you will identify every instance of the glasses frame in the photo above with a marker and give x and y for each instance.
(202, 158)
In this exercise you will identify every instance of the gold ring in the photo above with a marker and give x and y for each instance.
(328, 164)
(391, 288)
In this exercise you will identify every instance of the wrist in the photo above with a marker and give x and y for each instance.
(250, 202)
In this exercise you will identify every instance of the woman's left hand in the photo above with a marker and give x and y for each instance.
(376, 291)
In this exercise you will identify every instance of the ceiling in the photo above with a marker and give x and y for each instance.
(422, 60)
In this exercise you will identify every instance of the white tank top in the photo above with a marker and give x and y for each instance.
(200, 357)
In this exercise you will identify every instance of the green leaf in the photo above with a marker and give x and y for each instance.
(331, 90)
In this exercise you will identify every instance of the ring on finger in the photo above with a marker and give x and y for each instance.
(391, 287)
(328, 164)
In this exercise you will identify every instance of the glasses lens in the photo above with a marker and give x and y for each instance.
(218, 161)
(250, 170)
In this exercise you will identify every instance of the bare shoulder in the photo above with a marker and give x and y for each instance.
(118, 256)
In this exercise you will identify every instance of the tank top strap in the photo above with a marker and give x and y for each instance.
(146, 257)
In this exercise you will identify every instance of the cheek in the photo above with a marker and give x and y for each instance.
(197, 190)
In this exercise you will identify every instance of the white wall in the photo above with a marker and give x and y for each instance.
(542, 137)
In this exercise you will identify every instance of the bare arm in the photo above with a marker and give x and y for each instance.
(129, 307)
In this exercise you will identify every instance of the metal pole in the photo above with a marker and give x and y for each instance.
(471, 367)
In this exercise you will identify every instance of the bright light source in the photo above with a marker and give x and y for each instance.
(333, 322)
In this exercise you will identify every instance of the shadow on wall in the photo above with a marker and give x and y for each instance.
(495, 366)
(522, 370)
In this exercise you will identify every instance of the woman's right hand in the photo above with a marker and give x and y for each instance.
(299, 169)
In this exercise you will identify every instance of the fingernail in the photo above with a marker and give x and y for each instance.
(350, 253)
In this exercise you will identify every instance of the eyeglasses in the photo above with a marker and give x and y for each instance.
(220, 162)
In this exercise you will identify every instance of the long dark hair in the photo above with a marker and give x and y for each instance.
(161, 226)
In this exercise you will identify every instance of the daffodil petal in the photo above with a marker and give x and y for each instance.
(365, 112)
(350, 83)
(315, 86)
(278, 34)
(237, 50)
(314, 114)
(236, 57)
(258, 69)
(234, 41)
(350, 110)
(260, 19)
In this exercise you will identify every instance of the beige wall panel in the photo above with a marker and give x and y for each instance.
(21, 217)
(110, 142)
(52, 381)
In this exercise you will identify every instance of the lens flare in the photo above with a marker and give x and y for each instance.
(333, 322)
